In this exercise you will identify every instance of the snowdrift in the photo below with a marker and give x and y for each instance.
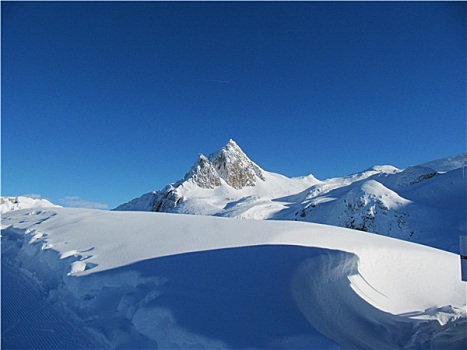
(155, 280)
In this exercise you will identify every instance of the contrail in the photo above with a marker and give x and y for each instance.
(218, 81)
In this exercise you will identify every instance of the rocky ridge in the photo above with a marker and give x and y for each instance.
(229, 164)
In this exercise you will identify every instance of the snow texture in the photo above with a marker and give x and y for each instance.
(157, 280)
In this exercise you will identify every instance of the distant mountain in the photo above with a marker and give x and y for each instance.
(21, 202)
(226, 183)
(449, 163)
(425, 203)
(416, 204)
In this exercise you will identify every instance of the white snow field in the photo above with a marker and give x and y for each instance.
(133, 280)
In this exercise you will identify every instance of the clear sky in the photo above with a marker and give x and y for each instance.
(105, 101)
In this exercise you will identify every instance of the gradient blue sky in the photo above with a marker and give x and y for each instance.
(105, 101)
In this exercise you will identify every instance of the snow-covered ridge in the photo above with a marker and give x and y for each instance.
(163, 280)
(21, 202)
(447, 164)
(417, 204)
(215, 182)
(423, 203)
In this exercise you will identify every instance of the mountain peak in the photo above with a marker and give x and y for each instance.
(230, 164)
(203, 174)
(234, 167)
(232, 143)
(231, 150)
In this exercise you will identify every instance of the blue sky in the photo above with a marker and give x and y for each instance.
(105, 101)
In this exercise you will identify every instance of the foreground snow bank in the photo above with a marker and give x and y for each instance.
(138, 280)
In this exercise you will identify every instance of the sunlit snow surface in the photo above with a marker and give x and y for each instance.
(21, 202)
(153, 280)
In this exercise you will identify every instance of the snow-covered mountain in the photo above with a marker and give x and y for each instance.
(449, 163)
(424, 203)
(21, 202)
(93, 279)
(417, 204)
(226, 183)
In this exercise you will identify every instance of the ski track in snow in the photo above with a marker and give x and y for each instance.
(30, 321)
(150, 280)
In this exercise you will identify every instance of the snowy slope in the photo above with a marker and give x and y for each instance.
(449, 163)
(424, 204)
(135, 280)
(417, 204)
(21, 202)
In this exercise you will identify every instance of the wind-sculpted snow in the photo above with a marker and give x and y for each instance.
(325, 280)
(145, 280)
